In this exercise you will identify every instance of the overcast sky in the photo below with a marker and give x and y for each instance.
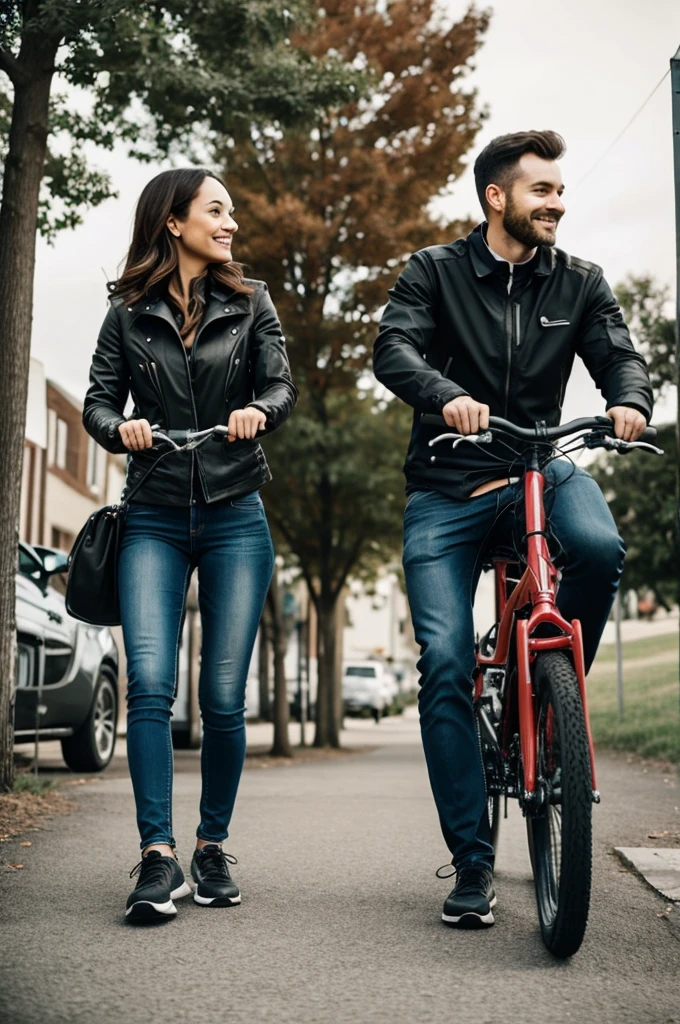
(582, 67)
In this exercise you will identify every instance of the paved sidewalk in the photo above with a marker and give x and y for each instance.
(340, 916)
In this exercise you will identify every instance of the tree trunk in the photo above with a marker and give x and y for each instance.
(263, 667)
(282, 746)
(32, 76)
(327, 727)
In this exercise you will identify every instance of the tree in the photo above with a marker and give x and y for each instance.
(336, 502)
(331, 215)
(277, 630)
(640, 491)
(644, 303)
(156, 77)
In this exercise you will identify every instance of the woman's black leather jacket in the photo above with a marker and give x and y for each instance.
(238, 359)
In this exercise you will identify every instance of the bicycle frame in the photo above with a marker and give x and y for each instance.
(531, 604)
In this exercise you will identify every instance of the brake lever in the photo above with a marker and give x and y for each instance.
(486, 437)
(620, 446)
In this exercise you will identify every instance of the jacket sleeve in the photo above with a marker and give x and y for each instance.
(109, 387)
(404, 340)
(274, 391)
(608, 352)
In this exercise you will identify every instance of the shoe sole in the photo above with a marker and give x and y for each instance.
(145, 910)
(217, 901)
(470, 919)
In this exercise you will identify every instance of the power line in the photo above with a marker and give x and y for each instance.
(623, 131)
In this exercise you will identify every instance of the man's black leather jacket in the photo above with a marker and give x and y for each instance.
(238, 358)
(452, 327)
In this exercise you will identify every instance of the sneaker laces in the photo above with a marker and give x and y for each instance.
(468, 879)
(150, 869)
(215, 862)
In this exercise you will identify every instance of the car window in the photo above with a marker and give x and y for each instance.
(366, 671)
(29, 565)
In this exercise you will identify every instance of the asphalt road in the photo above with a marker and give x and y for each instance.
(340, 916)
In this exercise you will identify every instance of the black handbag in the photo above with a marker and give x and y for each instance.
(92, 583)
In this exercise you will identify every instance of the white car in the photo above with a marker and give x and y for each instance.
(366, 687)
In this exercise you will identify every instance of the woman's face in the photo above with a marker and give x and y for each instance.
(205, 236)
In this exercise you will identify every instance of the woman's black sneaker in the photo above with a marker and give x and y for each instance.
(210, 870)
(470, 902)
(161, 880)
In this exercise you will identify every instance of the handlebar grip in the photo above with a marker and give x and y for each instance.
(430, 419)
(648, 435)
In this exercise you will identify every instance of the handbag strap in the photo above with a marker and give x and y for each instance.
(127, 494)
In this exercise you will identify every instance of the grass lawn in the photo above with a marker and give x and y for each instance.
(651, 723)
(640, 648)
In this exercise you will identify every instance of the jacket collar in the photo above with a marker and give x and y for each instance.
(221, 301)
(484, 264)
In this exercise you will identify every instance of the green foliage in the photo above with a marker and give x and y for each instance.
(164, 78)
(640, 490)
(25, 782)
(644, 304)
(651, 722)
(337, 497)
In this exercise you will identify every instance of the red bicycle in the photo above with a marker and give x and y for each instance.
(530, 688)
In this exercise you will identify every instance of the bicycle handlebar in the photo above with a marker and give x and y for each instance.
(543, 433)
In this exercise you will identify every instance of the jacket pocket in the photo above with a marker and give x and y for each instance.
(546, 322)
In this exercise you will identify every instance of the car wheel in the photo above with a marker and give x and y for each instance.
(91, 748)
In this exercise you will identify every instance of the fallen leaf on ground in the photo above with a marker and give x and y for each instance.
(659, 835)
(16, 866)
(28, 843)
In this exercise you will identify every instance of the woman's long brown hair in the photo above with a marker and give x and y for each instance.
(152, 260)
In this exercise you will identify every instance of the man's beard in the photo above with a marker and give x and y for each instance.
(521, 229)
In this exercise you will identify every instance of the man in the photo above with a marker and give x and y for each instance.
(490, 325)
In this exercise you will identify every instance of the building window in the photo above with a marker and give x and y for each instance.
(57, 451)
(92, 464)
(62, 539)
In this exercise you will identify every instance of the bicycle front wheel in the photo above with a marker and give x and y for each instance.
(560, 836)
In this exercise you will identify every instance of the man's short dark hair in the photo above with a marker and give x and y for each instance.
(497, 163)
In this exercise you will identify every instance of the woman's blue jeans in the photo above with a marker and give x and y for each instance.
(444, 541)
(230, 545)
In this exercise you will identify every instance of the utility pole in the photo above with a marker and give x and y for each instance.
(675, 97)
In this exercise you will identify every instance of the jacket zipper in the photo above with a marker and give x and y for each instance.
(508, 336)
(513, 337)
(156, 382)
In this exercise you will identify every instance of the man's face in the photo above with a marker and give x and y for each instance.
(533, 203)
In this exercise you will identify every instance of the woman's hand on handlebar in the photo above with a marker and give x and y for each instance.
(136, 434)
(245, 423)
(466, 415)
(628, 423)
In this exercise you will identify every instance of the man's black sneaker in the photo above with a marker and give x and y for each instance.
(161, 880)
(210, 870)
(470, 903)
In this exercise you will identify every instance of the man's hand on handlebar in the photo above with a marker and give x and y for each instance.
(245, 423)
(628, 423)
(136, 434)
(468, 416)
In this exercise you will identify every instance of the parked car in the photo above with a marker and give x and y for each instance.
(66, 671)
(365, 688)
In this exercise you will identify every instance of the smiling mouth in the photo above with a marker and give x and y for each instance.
(548, 221)
(224, 242)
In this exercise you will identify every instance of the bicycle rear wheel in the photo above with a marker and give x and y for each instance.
(560, 836)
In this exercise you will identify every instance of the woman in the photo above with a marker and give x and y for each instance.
(195, 344)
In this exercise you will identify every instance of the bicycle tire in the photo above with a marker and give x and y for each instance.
(560, 838)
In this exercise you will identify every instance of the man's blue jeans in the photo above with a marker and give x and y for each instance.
(444, 541)
(231, 547)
